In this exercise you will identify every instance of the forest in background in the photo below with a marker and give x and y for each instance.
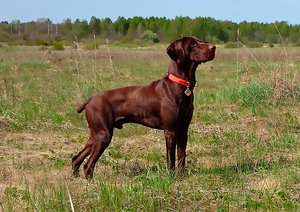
(152, 30)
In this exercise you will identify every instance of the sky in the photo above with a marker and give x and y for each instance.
(264, 11)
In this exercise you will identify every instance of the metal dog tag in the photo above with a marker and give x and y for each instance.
(188, 92)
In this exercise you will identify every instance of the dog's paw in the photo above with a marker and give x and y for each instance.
(76, 173)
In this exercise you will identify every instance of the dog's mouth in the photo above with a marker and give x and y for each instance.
(210, 57)
(207, 54)
(211, 54)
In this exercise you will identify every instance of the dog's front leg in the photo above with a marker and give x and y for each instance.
(182, 141)
(181, 148)
(170, 137)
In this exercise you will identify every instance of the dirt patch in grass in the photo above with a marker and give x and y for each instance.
(26, 156)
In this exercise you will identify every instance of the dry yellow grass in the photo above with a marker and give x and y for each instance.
(237, 147)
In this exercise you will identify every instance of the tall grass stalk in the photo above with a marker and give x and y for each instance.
(110, 60)
(250, 53)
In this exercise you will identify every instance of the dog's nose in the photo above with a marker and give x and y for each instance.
(212, 47)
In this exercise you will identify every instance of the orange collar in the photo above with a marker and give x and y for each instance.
(178, 80)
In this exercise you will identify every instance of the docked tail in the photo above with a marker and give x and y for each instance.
(82, 107)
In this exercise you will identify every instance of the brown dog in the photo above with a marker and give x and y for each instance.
(165, 104)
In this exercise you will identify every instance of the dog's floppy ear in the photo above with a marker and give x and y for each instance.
(176, 52)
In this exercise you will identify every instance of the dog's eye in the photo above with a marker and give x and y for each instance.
(193, 44)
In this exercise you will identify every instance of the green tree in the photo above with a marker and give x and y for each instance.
(67, 24)
(283, 28)
(197, 27)
(150, 36)
(294, 37)
(121, 25)
(95, 25)
(66, 27)
(222, 35)
(246, 31)
(82, 28)
(176, 29)
(206, 29)
(134, 22)
(105, 24)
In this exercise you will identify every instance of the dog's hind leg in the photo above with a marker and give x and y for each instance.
(80, 156)
(101, 141)
(101, 125)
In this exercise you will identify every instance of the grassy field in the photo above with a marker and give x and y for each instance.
(243, 150)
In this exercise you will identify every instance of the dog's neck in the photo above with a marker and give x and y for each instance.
(186, 71)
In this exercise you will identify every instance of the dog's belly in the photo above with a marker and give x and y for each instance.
(153, 122)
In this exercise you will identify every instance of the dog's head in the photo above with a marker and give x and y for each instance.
(190, 49)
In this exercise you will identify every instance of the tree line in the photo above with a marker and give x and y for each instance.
(152, 29)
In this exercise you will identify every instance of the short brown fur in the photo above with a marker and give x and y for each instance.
(162, 104)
